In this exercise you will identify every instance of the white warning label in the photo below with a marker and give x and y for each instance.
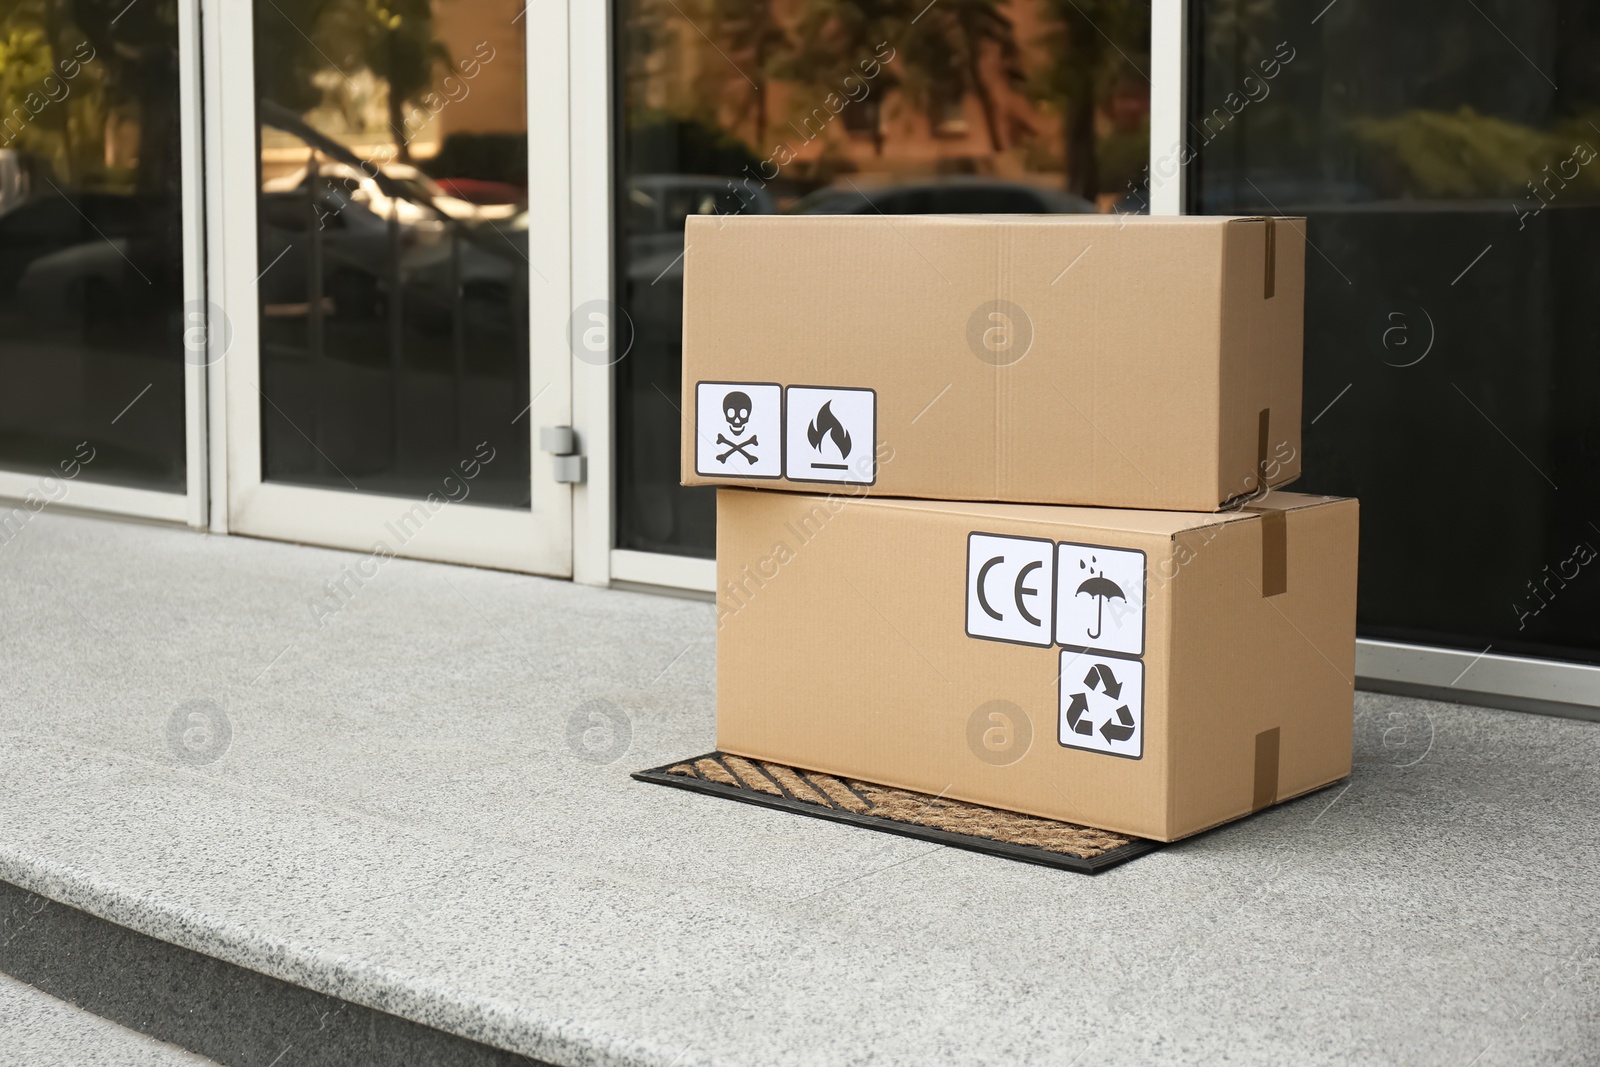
(1100, 598)
(1102, 704)
(739, 429)
(1010, 584)
(832, 435)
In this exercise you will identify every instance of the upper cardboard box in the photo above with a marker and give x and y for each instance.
(1073, 359)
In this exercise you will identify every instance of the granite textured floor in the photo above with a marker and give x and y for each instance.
(420, 802)
(37, 1030)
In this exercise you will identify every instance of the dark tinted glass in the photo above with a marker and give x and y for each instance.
(1447, 157)
(393, 237)
(91, 250)
(760, 106)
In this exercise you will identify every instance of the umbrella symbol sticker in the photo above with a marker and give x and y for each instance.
(1101, 588)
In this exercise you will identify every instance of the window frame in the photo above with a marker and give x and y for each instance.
(190, 507)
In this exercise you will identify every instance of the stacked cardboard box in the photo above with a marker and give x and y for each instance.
(1027, 548)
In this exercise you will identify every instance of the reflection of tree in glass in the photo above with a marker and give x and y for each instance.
(642, 29)
(751, 37)
(130, 77)
(1442, 155)
(394, 39)
(946, 49)
(832, 38)
(843, 62)
(1389, 101)
(1242, 32)
(27, 58)
(287, 59)
(1252, 38)
(298, 40)
(1092, 44)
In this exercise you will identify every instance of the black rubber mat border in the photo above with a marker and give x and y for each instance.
(988, 846)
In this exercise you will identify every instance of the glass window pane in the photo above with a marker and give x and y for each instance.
(393, 244)
(1445, 156)
(760, 106)
(91, 243)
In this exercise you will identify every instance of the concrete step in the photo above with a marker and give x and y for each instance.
(84, 976)
(40, 1031)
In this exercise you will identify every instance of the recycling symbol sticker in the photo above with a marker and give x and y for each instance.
(1102, 704)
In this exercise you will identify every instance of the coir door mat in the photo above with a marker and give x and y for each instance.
(899, 811)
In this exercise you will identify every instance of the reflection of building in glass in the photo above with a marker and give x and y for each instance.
(466, 82)
(1021, 89)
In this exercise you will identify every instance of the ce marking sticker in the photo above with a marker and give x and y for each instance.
(1011, 589)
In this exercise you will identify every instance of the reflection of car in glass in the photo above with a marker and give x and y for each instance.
(49, 224)
(490, 256)
(59, 256)
(417, 194)
(14, 177)
(31, 231)
(491, 251)
(356, 249)
(96, 275)
(944, 196)
(1279, 194)
(1233, 194)
(658, 205)
(370, 231)
(481, 191)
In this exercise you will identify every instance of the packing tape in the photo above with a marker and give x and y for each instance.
(1266, 784)
(1263, 447)
(1274, 550)
(1274, 524)
(1274, 553)
(1270, 283)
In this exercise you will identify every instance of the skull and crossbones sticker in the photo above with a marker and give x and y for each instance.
(736, 409)
(740, 429)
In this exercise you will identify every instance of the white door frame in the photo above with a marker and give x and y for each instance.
(589, 42)
(596, 560)
(1169, 79)
(189, 506)
(537, 540)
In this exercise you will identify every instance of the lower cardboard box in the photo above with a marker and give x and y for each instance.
(1155, 673)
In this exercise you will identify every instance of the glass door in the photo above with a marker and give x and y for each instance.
(396, 272)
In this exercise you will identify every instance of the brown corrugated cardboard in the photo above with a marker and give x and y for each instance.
(1149, 672)
(1075, 359)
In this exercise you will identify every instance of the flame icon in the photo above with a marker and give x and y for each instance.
(827, 424)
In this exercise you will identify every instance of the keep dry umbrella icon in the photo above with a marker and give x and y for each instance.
(1102, 589)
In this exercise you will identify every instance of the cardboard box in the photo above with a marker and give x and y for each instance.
(1074, 359)
(1153, 673)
